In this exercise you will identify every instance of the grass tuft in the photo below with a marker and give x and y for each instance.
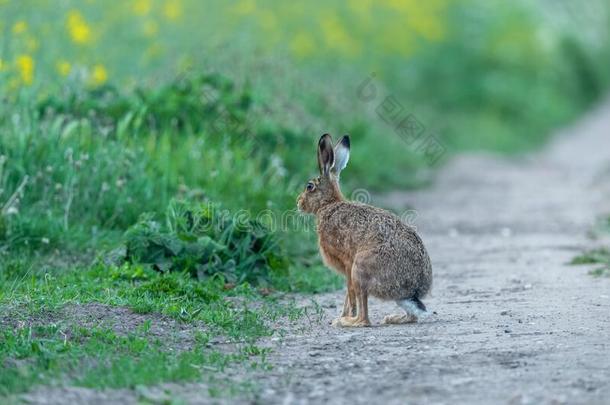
(595, 256)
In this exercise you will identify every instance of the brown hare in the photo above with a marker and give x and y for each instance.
(378, 254)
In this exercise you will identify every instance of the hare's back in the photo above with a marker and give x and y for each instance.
(397, 262)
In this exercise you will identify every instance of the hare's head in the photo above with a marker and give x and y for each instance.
(324, 189)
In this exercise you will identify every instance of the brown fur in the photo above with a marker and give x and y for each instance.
(378, 253)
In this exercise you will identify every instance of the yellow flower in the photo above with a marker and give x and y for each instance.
(423, 18)
(244, 7)
(1, 65)
(19, 27)
(394, 38)
(154, 51)
(150, 28)
(267, 20)
(172, 9)
(99, 75)
(302, 45)
(25, 66)
(361, 7)
(13, 83)
(337, 37)
(141, 7)
(78, 28)
(63, 67)
(31, 44)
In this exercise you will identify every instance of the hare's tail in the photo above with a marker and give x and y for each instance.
(414, 307)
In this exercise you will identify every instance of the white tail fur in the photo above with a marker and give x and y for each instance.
(413, 306)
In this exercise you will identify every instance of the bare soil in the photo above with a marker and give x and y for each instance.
(513, 323)
(170, 332)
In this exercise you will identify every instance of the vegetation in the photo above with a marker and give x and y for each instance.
(46, 348)
(599, 257)
(151, 152)
(202, 242)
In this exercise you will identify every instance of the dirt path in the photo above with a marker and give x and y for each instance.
(514, 324)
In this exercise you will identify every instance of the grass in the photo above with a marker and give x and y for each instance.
(147, 291)
(600, 257)
(99, 358)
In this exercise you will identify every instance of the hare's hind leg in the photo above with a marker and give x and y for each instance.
(414, 309)
(396, 319)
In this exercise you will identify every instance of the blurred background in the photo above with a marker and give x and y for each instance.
(151, 153)
(114, 110)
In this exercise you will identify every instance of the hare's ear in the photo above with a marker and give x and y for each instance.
(326, 156)
(341, 155)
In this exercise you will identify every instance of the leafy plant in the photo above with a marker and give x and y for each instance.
(205, 241)
(192, 102)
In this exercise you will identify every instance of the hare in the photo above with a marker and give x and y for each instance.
(378, 254)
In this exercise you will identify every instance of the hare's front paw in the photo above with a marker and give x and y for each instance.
(349, 321)
(360, 324)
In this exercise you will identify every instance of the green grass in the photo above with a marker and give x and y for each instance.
(146, 291)
(599, 257)
(99, 358)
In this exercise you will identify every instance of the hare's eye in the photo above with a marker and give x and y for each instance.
(310, 186)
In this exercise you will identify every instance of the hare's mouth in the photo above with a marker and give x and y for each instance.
(300, 206)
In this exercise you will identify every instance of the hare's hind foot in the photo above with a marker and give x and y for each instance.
(351, 322)
(396, 319)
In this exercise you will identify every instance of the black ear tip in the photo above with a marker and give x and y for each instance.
(345, 141)
(324, 138)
